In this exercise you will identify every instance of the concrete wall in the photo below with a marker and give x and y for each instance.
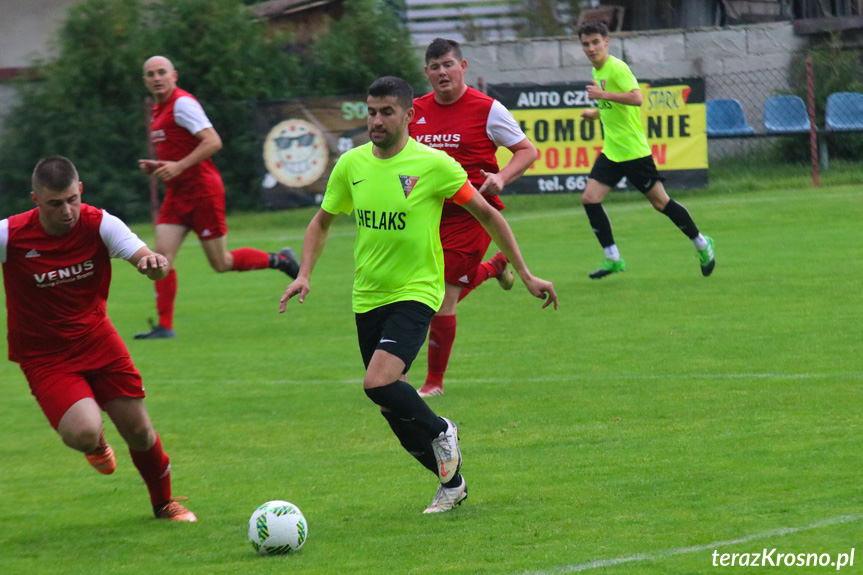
(27, 27)
(745, 62)
(711, 53)
(749, 63)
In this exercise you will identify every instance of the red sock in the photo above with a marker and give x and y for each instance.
(484, 272)
(166, 293)
(155, 468)
(441, 338)
(246, 259)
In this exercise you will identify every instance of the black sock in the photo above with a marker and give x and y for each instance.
(404, 401)
(454, 482)
(681, 218)
(274, 261)
(600, 223)
(413, 438)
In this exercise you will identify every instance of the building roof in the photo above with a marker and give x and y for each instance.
(276, 8)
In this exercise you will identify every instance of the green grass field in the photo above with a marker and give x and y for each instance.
(656, 417)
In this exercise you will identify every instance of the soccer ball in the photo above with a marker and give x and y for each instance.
(277, 527)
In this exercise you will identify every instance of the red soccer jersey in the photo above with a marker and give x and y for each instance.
(57, 286)
(461, 130)
(174, 142)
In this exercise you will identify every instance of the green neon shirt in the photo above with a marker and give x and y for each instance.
(624, 135)
(397, 204)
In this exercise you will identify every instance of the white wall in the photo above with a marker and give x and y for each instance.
(26, 28)
(749, 63)
(710, 53)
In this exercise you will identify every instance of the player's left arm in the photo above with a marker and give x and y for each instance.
(210, 143)
(500, 232)
(151, 264)
(524, 154)
(190, 115)
(125, 244)
(503, 130)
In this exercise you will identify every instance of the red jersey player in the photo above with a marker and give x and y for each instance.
(185, 142)
(469, 126)
(56, 271)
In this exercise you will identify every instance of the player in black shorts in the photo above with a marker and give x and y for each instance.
(625, 153)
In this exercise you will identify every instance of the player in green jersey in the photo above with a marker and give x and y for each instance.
(625, 153)
(396, 188)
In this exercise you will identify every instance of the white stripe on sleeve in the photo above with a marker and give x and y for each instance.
(121, 242)
(4, 239)
(189, 114)
(502, 129)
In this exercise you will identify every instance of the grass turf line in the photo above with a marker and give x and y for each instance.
(655, 410)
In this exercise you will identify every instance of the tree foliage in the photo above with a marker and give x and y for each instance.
(89, 101)
(369, 41)
(548, 17)
(83, 107)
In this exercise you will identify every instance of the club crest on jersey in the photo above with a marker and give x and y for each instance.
(408, 183)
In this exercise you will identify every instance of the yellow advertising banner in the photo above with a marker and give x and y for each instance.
(672, 114)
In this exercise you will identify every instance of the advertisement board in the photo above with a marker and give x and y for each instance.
(301, 139)
(672, 115)
(300, 142)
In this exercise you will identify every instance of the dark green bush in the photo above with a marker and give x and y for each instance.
(88, 103)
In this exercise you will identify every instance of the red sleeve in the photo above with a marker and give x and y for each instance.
(464, 194)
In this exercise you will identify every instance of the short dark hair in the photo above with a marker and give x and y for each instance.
(440, 47)
(54, 173)
(393, 86)
(593, 28)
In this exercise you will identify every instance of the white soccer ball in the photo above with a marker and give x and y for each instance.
(277, 527)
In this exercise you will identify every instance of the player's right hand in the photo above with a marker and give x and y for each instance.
(148, 166)
(590, 114)
(297, 287)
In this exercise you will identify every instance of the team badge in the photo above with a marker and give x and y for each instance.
(408, 183)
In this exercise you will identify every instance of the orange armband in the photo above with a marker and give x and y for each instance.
(464, 194)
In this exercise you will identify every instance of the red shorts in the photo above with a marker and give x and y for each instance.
(204, 215)
(464, 242)
(100, 369)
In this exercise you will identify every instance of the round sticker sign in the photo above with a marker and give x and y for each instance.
(296, 153)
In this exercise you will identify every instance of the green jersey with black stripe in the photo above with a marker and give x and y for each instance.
(397, 204)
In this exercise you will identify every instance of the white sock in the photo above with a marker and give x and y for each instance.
(699, 242)
(611, 252)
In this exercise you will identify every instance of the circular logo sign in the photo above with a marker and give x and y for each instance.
(296, 153)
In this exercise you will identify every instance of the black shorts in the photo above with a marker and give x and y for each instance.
(641, 172)
(399, 328)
